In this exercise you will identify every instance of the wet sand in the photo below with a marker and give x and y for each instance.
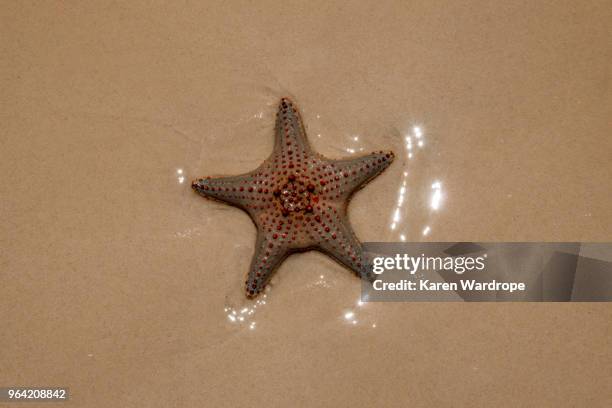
(122, 284)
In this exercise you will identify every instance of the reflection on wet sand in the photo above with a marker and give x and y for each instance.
(415, 146)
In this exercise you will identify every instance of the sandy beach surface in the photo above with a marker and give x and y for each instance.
(119, 282)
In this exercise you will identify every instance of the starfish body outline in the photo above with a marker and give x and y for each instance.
(298, 200)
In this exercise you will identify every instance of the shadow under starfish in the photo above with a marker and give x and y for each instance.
(298, 200)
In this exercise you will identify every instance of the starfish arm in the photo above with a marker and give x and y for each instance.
(339, 241)
(290, 140)
(269, 253)
(232, 190)
(352, 174)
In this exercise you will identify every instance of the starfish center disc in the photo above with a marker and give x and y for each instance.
(295, 196)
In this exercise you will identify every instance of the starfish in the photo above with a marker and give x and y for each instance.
(298, 200)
